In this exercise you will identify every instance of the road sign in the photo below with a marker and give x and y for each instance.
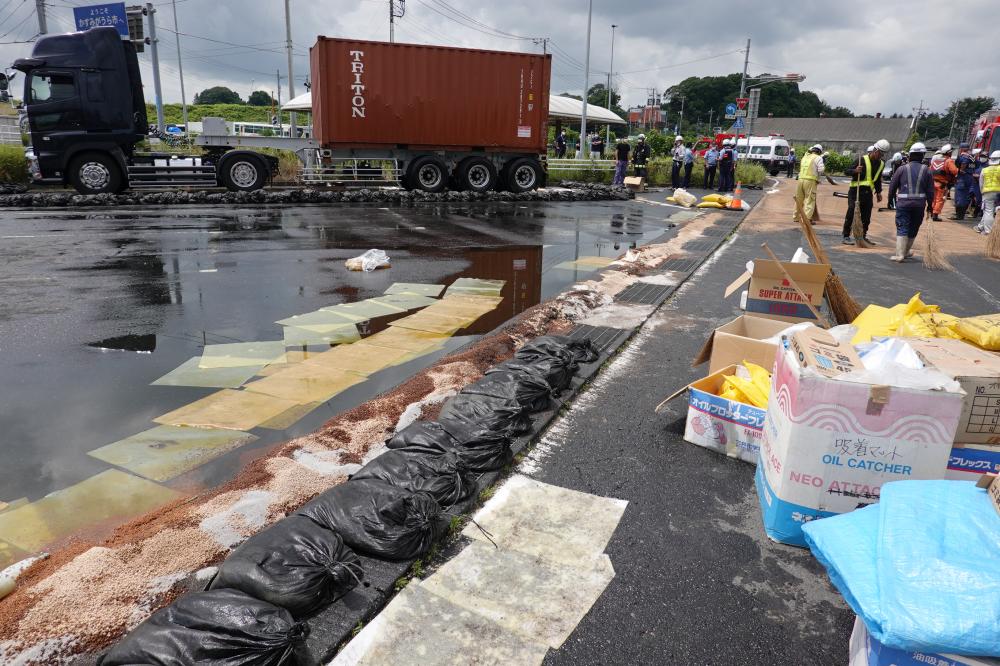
(98, 16)
(738, 124)
(730, 111)
(741, 113)
(741, 102)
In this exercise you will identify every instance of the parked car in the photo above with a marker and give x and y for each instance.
(769, 151)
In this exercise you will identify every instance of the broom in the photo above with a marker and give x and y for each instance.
(934, 259)
(993, 240)
(845, 309)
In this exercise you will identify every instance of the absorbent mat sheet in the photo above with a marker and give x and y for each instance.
(415, 289)
(234, 410)
(190, 373)
(241, 353)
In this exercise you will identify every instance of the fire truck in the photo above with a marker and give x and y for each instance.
(985, 132)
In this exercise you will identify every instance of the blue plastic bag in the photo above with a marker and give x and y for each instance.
(921, 568)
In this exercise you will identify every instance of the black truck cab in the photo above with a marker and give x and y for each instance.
(86, 113)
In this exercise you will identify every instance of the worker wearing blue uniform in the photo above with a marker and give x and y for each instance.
(963, 182)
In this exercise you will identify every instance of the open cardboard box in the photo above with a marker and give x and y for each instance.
(722, 425)
(771, 295)
(740, 340)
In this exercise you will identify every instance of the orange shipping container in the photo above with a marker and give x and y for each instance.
(376, 94)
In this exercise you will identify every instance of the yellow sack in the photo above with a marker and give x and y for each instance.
(983, 331)
(917, 306)
(709, 204)
(878, 321)
(761, 377)
(752, 393)
(671, 200)
(928, 325)
(945, 325)
(717, 198)
(730, 392)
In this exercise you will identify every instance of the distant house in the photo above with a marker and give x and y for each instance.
(837, 134)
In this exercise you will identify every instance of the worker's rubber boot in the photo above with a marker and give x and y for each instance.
(936, 217)
(959, 213)
(909, 248)
(900, 255)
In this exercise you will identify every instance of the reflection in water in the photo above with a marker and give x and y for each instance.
(134, 343)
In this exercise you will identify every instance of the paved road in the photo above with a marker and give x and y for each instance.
(697, 580)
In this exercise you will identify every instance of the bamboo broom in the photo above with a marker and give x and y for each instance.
(857, 225)
(993, 240)
(934, 259)
(843, 306)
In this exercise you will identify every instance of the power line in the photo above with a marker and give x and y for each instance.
(220, 41)
(490, 31)
(510, 35)
(681, 64)
(19, 24)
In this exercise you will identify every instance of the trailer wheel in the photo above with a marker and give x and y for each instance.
(523, 174)
(243, 174)
(428, 173)
(95, 173)
(477, 174)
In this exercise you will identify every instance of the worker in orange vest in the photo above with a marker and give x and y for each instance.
(944, 172)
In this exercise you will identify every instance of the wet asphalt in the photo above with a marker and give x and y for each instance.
(98, 303)
(697, 581)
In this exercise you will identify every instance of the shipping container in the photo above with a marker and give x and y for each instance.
(417, 96)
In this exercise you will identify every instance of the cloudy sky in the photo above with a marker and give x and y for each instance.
(854, 53)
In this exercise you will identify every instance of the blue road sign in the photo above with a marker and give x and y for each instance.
(98, 16)
(731, 109)
(739, 124)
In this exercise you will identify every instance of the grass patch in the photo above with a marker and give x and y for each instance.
(13, 166)
(486, 493)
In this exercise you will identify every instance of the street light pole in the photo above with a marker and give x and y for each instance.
(291, 77)
(746, 64)
(611, 70)
(180, 67)
(586, 86)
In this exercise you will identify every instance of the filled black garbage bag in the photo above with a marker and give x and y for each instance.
(481, 450)
(378, 519)
(528, 389)
(556, 371)
(576, 350)
(224, 627)
(441, 473)
(296, 563)
(496, 414)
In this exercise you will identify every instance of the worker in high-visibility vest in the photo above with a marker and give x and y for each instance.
(866, 180)
(913, 189)
(989, 185)
(809, 172)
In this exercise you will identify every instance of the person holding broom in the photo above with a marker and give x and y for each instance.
(989, 185)
(912, 187)
(866, 179)
(809, 172)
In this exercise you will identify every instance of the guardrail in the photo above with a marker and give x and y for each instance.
(10, 133)
(567, 164)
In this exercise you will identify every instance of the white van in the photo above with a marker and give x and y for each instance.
(770, 151)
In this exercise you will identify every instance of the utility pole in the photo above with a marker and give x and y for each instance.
(392, 22)
(680, 121)
(586, 87)
(277, 76)
(917, 112)
(544, 41)
(180, 67)
(954, 116)
(43, 28)
(711, 112)
(611, 69)
(153, 51)
(293, 131)
(746, 64)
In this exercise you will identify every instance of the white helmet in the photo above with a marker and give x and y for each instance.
(976, 151)
(897, 157)
(917, 148)
(678, 138)
(945, 149)
(870, 149)
(817, 148)
(642, 137)
(791, 150)
(882, 146)
(995, 157)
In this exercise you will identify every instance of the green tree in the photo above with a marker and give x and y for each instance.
(598, 95)
(218, 95)
(260, 98)
(962, 112)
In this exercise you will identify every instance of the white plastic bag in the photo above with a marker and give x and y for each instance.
(684, 197)
(368, 261)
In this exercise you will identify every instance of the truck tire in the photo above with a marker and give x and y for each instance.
(476, 174)
(427, 173)
(523, 174)
(244, 173)
(95, 173)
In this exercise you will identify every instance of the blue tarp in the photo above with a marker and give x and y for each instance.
(921, 568)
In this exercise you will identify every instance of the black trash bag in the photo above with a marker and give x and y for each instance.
(556, 371)
(296, 563)
(441, 473)
(481, 450)
(378, 519)
(224, 627)
(575, 350)
(526, 388)
(496, 414)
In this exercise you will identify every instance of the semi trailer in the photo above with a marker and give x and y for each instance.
(425, 117)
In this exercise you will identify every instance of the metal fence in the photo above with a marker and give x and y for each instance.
(567, 164)
(10, 131)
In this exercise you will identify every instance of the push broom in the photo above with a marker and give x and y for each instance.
(934, 259)
(857, 226)
(993, 240)
(845, 309)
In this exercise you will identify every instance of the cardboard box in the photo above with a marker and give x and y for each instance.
(978, 372)
(827, 446)
(866, 651)
(991, 483)
(740, 340)
(635, 183)
(817, 349)
(772, 295)
(722, 425)
(968, 462)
